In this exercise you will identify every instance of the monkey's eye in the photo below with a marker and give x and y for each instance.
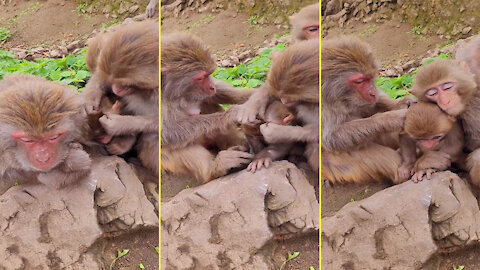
(27, 140)
(447, 85)
(359, 81)
(54, 137)
(432, 92)
(312, 28)
(437, 138)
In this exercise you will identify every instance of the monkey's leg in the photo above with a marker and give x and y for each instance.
(229, 137)
(312, 153)
(374, 162)
(121, 144)
(473, 164)
(148, 151)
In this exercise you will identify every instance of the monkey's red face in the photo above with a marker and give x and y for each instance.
(364, 86)
(203, 83)
(42, 152)
(432, 141)
(121, 90)
(311, 31)
(446, 96)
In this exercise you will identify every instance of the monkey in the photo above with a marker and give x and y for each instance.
(276, 113)
(439, 137)
(151, 8)
(39, 132)
(356, 116)
(191, 111)
(451, 85)
(294, 79)
(306, 23)
(125, 62)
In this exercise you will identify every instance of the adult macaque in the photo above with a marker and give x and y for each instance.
(306, 23)
(188, 91)
(294, 79)
(355, 116)
(39, 126)
(437, 135)
(451, 85)
(125, 62)
(276, 113)
(151, 8)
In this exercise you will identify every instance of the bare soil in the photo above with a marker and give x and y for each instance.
(392, 42)
(53, 23)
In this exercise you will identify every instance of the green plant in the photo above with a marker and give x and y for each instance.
(461, 267)
(395, 87)
(253, 20)
(311, 268)
(291, 256)
(205, 19)
(141, 266)
(119, 255)
(156, 249)
(4, 34)
(416, 30)
(369, 30)
(249, 75)
(82, 8)
(442, 56)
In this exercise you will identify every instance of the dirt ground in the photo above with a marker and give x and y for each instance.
(392, 43)
(224, 33)
(55, 22)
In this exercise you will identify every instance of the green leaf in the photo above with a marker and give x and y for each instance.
(156, 249)
(141, 266)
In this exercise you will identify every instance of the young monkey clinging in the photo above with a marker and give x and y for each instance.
(438, 136)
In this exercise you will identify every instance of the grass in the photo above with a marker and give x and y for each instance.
(398, 87)
(461, 267)
(291, 256)
(4, 34)
(119, 255)
(71, 70)
(205, 19)
(369, 30)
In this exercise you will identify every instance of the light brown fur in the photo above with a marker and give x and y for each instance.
(307, 16)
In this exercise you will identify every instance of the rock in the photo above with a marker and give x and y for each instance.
(409, 65)
(107, 9)
(42, 228)
(235, 60)
(403, 226)
(333, 7)
(226, 63)
(20, 53)
(244, 55)
(120, 196)
(466, 30)
(63, 50)
(73, 45)
(222, 224)
(133, 9)
(55, 53)
(390, 73)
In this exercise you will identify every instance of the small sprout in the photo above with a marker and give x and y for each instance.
(352, 199)
(461, 267)
(141, 266)
(156, 249)
(311, 268)
(119, 255)
(291, 256)
(16, 183)
(187, 186)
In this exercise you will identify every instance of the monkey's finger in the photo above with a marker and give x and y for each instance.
(429, 174)
(267, 163)
(250, 167)
(241, 154)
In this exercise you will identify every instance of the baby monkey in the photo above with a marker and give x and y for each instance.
(439, 138)
(265, 153)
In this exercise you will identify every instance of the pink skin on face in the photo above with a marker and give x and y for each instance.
(446, 97)
(432, 141)
(288, 102)
(121, 90)
(203, 83)
(363, 85)
(42, 152)
(311, 31)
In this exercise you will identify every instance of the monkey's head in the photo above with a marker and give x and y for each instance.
(186, 67)
(294, 74)
(448, 83)
(427, 124)
(37, 122)
(278, 113)
(349, 71)
(127, 59)
(306, 24)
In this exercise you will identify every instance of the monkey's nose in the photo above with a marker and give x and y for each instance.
(42, 156)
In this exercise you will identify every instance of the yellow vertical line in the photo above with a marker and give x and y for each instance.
(320, 144)
(159, 137)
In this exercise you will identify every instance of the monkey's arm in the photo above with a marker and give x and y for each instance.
(227, 94)
(93, 93)
(342, 136)
(384, 103)
(274, 133)
(408, 152)
(438, 160)
(255, 105)
(151, 8)
(115, 124)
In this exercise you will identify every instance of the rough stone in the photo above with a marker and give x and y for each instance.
(43, 228)
(402, 226)
(120, 196)
(20, 53)
(221, 225)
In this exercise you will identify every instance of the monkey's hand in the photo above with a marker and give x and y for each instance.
(404, 172)
(244, 114)
(406, 102)
(75, 145)
(231, 158)
(257, 164)
(419, 175)
(151, 8)
(76, 160)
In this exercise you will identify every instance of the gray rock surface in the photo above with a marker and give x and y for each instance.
(402, 226)
(44, 228)
(120, 196)
(222, 224)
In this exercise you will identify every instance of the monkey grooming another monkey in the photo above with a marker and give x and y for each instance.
(437, 135)
(125, 62)
(294, 79)
(39, 127)
(451, 85)
(191, 111)
(306, 23)
(355, 116)
(276, 113)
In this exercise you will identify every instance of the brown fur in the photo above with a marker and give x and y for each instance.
(426, 119)
(183, 134)
(351, 127)
(37, 107)
(308, 15)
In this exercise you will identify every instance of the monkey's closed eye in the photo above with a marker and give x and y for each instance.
(359, 81)
(432, 92)
(312, 28)
(54, 137)
(27, 140)
(447, 85)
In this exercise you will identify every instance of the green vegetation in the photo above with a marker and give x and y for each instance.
(141, 266)
(291, 256)
(252, 74)
(71, 70)
(311, 268)
(82, 8)
(156, 249)
(119, 255)
(369, 30)
(398, 87)
(4, 34)
(205, 19)
(461, 267)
